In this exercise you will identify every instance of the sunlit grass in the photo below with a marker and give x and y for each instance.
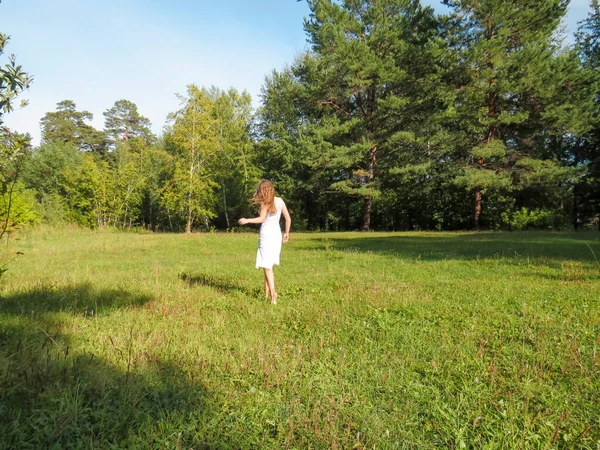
(382, 340)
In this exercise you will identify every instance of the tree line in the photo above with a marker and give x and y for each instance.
(395, 118)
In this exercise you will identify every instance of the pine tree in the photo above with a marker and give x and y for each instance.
(123, 122)
(506, 79)
(68, 126)
(587, 148)
(368, 76)
(281, 120)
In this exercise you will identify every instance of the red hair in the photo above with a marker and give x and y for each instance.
(265, 195)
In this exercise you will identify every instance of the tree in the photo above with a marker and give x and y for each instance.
(507, 81)
(44, 173)
(128, 179)
(13, 147)
(233, 170)
(366, 74)
(156, 167)
(87, 190)
(190, 192)
(123, 122)
(586, 150)
(13, 80)
(588, 37)
(280, 156)
(68, 126)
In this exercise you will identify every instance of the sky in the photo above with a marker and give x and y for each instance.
(97, 52)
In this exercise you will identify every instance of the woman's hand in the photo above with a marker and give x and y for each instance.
(243, 221)
(286, 237)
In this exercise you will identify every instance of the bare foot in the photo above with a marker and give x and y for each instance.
(274, 299)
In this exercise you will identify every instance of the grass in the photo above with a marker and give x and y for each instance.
(382, 340)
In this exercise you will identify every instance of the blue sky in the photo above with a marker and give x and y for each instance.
(96, 52)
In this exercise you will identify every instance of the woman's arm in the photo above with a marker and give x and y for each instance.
(288, 222)
(259, 219)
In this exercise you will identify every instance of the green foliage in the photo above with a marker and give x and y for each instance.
(234, 169)
(156, 167)
(13, 150)
(53, 209)
(13, 81)
(123, 122)
(585, 150)
(86, 192)
(484, 179)
(395, 118)
(391, 99)
(190, 192)
(22, 208)
(44, 169)
(513, 88)
(66, 125)
(526, 219)
(489, 150)
(188, 197)
(373, 71)
(13, 208)
(282, 150)
(588, 37)
(128, 180)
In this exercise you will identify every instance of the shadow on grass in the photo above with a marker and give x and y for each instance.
(221, 284)
(57, 392)
(77, 299)
(555, 247)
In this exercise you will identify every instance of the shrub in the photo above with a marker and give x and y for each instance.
(525, 219)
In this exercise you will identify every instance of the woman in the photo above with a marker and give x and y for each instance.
(269, 243)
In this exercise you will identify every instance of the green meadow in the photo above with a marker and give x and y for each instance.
(378, 341)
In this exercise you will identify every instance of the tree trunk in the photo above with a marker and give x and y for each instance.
(493, 131)
(225, 206)
(309, 211)
(368, 204)
(9, 190)
(574, 212)
(150, 213)
(188, 226)
(477, 207)
(367, 207)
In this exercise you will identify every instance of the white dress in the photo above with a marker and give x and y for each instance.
(269, 242)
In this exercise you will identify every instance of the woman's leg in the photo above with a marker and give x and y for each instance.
(266, 286)
(271, 284)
